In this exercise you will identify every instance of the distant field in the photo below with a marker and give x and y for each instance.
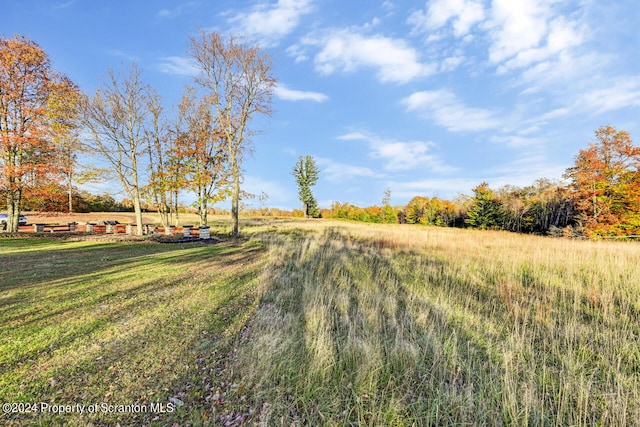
(324, 323)
(123, 217)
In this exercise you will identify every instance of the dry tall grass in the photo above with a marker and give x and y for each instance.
(402, 325)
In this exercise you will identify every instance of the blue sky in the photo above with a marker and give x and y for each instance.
(425, 98)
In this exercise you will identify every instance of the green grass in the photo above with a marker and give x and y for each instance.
(120, 323)
(326, 323)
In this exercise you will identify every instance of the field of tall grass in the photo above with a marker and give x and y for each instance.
(327, 323)
(400, 325)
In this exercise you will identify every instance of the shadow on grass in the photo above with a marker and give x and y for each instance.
(145, 307)
(355, 352)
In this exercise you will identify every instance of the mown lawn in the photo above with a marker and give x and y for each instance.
(126, 323)
(325, 323)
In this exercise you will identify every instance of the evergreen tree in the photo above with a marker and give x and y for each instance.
(486, 211)
(306, 174)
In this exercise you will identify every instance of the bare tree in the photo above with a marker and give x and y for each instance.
(238, 78)
(160, 188)
(115, 118)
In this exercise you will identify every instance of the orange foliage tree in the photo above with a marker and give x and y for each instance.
(34, 113)
(606, 184)
(198, 153)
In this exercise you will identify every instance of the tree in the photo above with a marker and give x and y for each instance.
(63, 109)
(116, 119)
(486, 211)
(238, 78)
(160, 188)
(306, 174)
(388, 214)
(29, 124)
(415, 210)
(201, 145)
(606, 184)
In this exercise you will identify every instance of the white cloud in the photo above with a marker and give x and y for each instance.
(257, 184)
(462, 14)
(400, 155)
(441, 187)
(521, 172)
(267, 23)
(297, 52)
(445, 109)
(339, 172)
(622, 93)
(179, 65)
(526, 32)
(176, 11)
(125, 55)
(348, 51)
(65, 5)
(282, 92)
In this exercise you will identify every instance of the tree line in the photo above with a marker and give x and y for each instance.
(601, 198)
(47, 123)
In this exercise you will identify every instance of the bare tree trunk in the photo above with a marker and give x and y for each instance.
(136, 196)
(13, 211)
(202, 207)
(176, 208)
(235, 198)
(70, 191)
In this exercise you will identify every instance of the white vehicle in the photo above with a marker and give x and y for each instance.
(4, 218)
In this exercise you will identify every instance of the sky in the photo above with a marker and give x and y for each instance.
(424, 98)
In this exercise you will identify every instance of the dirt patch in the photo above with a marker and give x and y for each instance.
(182, 240)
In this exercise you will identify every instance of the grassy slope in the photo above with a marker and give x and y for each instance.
(353, 324)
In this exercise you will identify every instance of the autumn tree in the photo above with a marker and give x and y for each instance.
(306, 174)
(201, 146)
(28, 119)
(116, 117)
(238, 78)
(388, 214)
(536, 208)
(63, 110)
(415, 210)
(606, 184)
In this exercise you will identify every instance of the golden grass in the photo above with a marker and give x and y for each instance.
(378, 325)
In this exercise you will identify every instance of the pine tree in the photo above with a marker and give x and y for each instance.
(306, 174)
(486, 211)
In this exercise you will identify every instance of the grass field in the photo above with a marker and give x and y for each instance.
(324, 323)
